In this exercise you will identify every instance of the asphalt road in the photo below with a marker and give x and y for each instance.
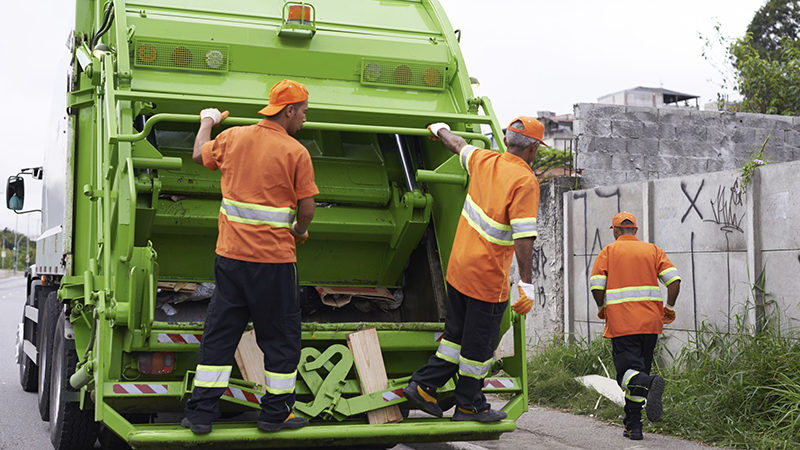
(539, 428)
(20, 425)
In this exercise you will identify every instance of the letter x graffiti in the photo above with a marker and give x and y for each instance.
(692, 201)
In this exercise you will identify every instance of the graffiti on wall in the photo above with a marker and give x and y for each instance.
(597, 242)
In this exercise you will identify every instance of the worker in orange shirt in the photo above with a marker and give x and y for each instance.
(624, 284)
(497, 222)
(268, 194)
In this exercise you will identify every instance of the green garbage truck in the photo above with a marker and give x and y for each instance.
(117, 298)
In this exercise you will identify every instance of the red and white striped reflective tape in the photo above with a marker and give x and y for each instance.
(437, 336)
(393, 395)
(181, 338)
(132, 388)
(243, 395)
(498, 383)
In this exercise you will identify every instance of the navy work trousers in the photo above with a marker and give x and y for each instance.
(265, 293)
(634, 352)
(475, 326)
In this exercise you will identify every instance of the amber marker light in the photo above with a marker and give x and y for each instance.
(432, 77)
(146, 54)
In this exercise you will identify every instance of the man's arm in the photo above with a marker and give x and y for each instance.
(523, 249)
(599, 296)
(672, 292)
(451, 141)
(305, 212)
(203, 136)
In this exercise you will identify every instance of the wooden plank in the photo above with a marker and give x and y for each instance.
(366, 351)
(177, 286)
(250, 359)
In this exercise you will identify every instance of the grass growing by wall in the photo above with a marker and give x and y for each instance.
(727, 389)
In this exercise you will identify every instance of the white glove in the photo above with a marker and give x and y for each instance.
(528, 288)
(438, 126)
(213, 114)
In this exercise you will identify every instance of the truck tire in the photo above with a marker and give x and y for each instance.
(71, 428)
(48, 315)
(28, 369)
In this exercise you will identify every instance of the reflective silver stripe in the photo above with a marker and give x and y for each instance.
(212, 376)
(598, 282)
(254, 214)
(465, 154)
(521, 228)
(633, 294)
(474, 369)
(488, 228)
(635, 398)
(626, 378)
(448, 351)
(667, 276)
(280, 383)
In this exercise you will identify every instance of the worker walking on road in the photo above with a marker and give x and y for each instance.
(267, 184)
(498, 221)
(624, 284)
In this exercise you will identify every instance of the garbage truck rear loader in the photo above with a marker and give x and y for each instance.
(127, 261)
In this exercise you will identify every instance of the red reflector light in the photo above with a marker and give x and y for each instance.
(299, 14)
(402, 74)
(158, 363)
(181, 56)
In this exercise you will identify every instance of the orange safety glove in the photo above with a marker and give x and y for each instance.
(434, 128)
(527, 292)
(214, 114)
(298, 238)
(601, 312)
(669, 314)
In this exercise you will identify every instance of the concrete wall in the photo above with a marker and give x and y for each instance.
(622, 144)
(546, 319)
(718, 236)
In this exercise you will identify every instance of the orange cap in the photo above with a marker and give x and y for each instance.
(621, 217)
(285, 92)
(530, 127)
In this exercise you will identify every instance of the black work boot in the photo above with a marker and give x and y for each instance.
(654, 393)
(291, 422)
(419, 398)
(197, 428)
(634, 433)
(487, 415)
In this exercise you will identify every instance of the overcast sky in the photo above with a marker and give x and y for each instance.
(528, 55)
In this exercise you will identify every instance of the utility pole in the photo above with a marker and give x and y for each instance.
(3, 249)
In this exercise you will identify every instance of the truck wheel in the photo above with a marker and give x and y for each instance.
(71, 428)
(28, 369)
(48, 315)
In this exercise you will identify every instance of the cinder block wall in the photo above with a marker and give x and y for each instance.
(622, 144)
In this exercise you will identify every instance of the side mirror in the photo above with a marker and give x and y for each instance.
(15, 193)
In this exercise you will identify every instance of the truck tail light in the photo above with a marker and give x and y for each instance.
(146, 54)
(156, 363)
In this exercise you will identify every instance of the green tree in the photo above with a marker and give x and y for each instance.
(767, 85)
(775, 21)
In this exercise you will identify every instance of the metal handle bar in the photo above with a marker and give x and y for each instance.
(323, 126)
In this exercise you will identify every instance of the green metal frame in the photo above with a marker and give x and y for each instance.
(125, 235)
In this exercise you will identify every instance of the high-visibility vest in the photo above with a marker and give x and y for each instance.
(629, 270)
(501, 205)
